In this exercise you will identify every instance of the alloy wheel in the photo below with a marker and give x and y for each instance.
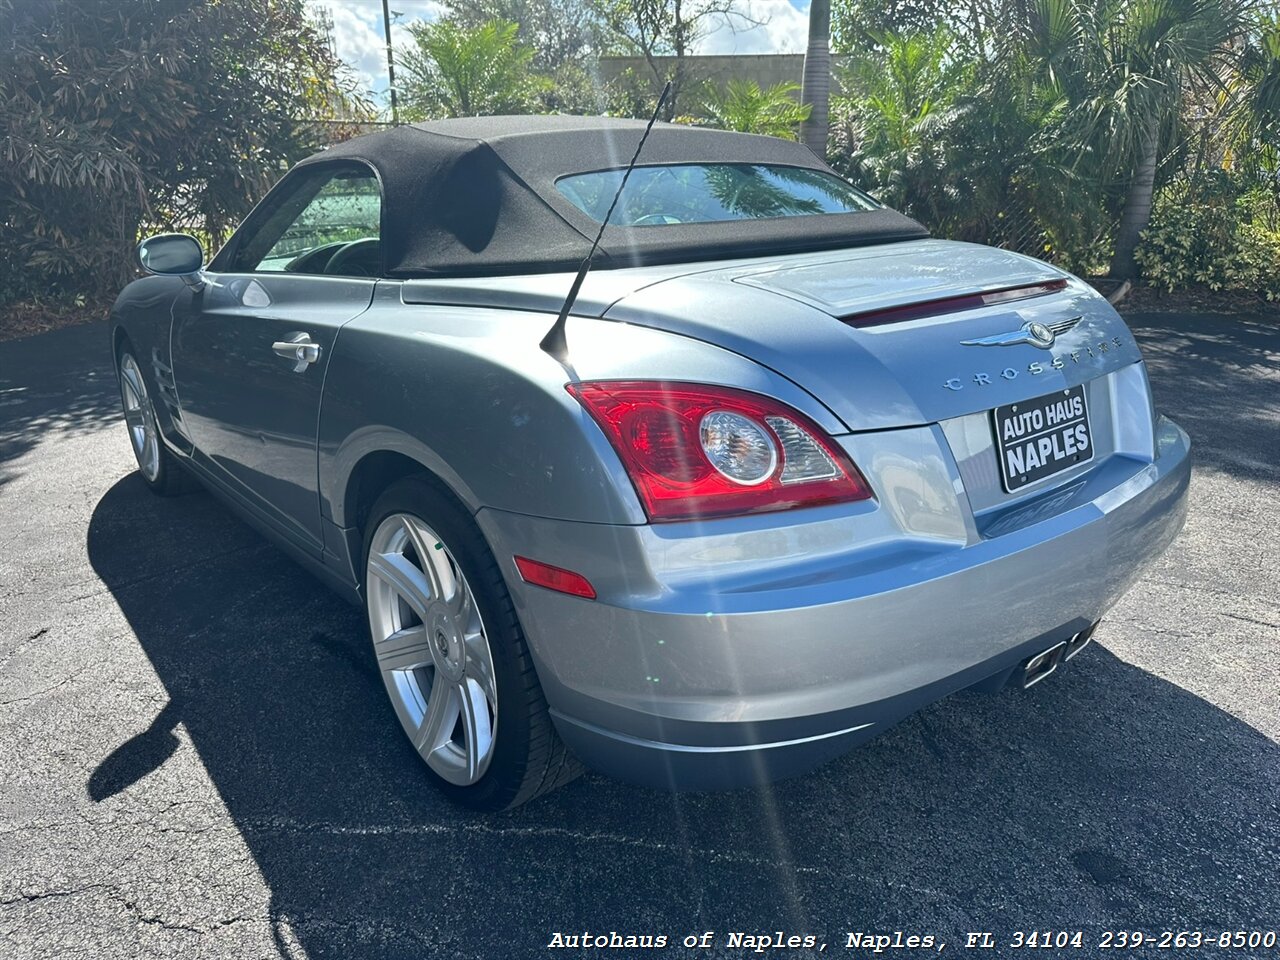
(432, 648)
(140, 417)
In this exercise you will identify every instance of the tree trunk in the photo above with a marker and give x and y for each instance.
(681, 35)
(816, 88)
(678, 76)
(1137, 205)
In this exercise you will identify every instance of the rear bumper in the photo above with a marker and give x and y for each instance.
(754, 753)
(732, 652)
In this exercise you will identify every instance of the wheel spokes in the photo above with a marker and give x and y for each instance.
(479, 665)
(139, 417)
(460, 604)
(443, 706)
(404, 649)
(409, 582)
(133, 382)
(448, 704)
(430, 558)
(437, 665)
(476, 731)
(446, 584)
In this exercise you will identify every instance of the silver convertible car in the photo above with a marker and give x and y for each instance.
(783, 471)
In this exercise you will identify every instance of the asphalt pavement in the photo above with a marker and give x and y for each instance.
(197, 759)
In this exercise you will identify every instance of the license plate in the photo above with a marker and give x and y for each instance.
(1043, 436)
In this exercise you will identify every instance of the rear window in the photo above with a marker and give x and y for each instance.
(710, 192)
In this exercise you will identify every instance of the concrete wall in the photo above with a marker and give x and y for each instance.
(767, 69)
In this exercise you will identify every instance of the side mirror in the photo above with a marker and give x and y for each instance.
(173, 255)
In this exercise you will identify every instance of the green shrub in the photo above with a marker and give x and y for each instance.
(1211, 241)
(1258, 267)
(116, 114)
(743, 106)
(976, 148)
(456, 71)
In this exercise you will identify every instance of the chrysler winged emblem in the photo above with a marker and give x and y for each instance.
(1033, 332)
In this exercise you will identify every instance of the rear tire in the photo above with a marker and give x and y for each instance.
(159, 468)
(451, 653)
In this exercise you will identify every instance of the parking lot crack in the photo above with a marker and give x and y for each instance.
(1201, 588)
(117, 588)
(4, 661)
(52, 894)
(536, 832)
(157, 920)
(1240, 616)
(45, 692)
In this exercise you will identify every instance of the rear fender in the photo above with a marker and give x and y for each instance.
(468, 393)
(142, 316)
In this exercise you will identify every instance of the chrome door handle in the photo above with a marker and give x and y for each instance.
(299, 348)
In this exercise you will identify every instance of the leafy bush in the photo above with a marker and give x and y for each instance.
(457, 71)
(1259, 265)
(1212, 240)
(973, 147)
(1048, 127)
(115, 114)
(902, 103)
(742, 106)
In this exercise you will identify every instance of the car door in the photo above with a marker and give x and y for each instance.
(250, 350)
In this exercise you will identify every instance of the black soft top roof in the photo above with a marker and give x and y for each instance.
(477, 196)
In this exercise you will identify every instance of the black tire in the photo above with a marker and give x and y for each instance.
(168, 478)
(529, 759)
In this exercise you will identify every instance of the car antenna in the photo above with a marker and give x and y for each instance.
(554, 342)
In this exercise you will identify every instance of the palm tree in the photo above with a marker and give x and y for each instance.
(1126, 67)
(1252, 105)
(744, 107)
(816, 89)
(905, 94)
(457, 71)
(1260, 68)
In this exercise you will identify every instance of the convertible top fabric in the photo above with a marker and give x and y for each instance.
(477, 197)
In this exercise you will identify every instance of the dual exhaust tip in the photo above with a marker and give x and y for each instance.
(1047, 661)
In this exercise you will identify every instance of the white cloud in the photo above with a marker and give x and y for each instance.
(359, 37)
(358, 31)
(782, 28)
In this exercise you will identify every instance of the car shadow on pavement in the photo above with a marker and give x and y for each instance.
(77, 394)
(1219, 377)
(1107, 797)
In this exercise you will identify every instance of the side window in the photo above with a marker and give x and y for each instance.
(328, 225)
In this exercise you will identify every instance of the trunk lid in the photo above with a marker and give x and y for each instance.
(924, 299)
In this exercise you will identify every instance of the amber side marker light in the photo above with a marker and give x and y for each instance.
(555, 578)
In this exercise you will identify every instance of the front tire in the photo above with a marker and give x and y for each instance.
(159, 468)
(451, 653)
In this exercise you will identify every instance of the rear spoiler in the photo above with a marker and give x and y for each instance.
(952, 304)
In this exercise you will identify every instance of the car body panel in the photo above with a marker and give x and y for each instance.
(784, 313)
(465, 378)
(776, 677)
(250, 413)
(899, 374)
(876, 278)
(716, 650)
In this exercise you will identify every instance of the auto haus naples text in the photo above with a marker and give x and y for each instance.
(757, 943)
(1043, 435)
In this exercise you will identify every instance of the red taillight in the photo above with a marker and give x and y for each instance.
(694, 450)
(555, 578)
(967, 301)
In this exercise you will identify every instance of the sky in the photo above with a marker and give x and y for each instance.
(358, 31)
